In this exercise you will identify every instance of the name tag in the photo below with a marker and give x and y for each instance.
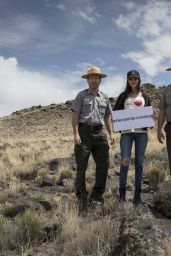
(133, 118)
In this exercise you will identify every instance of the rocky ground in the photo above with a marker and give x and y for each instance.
(38, 207)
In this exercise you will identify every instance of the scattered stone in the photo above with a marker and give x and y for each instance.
(140, 234)
(46, 181)
(69, 185)
(54, 164)
(145, 188)
(65, 201)
(117, 172)
(47, 205)
(50, 232)
(12, 211)
(162, 198)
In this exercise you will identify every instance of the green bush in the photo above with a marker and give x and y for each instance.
(28, 226)
(66, 175)
(155, 176)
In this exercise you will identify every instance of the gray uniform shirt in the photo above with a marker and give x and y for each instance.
(165, 102)
(92, 109)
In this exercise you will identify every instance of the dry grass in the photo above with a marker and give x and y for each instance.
(22, 232)
(91, 237)
(153, 145)
(21, 156)
(168, 247)
(155, 175)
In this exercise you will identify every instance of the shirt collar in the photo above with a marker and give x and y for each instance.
(90, 92)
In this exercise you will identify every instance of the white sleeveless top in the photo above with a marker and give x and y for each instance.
(131, 103)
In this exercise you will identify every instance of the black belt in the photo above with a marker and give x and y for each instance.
(91, 126)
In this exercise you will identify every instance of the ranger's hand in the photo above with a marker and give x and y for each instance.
(112, 140)
(160, 136)
(77, 139)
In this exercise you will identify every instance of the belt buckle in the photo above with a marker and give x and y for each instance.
(91, 127)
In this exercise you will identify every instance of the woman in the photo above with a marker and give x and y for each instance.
(132, 98)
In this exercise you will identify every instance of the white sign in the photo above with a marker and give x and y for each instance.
(132, 118)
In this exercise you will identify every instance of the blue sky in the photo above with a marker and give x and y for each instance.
(46, 45)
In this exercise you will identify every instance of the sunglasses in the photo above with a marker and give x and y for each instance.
(133, 78)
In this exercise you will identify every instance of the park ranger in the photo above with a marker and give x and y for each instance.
(91, 110)
(165, 115)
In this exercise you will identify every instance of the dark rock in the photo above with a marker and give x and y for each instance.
(68, 102)
(140, 235)
(49, 233)
(162, 198)
(46, 205)
(2, 185)
(145, 180)
(54, 164)
(47, 182)
(65, 201)
(145, 188)
(12, 211)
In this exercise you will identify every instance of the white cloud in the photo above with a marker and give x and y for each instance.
(21, 88)
(100, 62)
(113, 85)
(130, 5)
(83, 9)
(88, 13)
(146, 61)
(151, 24)
(84, 66)
(61, 7)
(20, 30)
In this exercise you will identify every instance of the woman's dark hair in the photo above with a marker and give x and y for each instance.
(131, 73)
(128, 88)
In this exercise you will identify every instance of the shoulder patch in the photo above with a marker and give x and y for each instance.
(105, 96)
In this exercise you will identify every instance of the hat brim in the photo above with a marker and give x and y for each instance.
(94, 74)
(133, 76)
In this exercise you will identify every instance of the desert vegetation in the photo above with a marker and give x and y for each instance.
(38, 208)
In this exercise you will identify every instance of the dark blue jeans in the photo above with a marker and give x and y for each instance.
(126, 142)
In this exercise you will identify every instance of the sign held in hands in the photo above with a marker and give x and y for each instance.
(133, 118)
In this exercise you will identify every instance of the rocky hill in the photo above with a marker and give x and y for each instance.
(38, 207)
(42, 121)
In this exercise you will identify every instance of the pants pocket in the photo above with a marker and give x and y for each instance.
(165, 128)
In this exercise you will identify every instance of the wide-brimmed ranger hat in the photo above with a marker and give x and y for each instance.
(94, 71)
(133, 73)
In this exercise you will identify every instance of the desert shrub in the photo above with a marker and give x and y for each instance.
(26, 174)
(28, 227)
(155, 176)
(66, 174)
(22, 232)
(96, 237)
(41, 174)
(3, 198)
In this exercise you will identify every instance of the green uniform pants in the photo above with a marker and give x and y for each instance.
(168, 142)
(92, 141)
